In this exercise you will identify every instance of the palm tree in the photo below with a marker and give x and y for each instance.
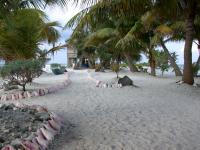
(7, 6)
(187, 11)
(170, 9)
(104, 29)
(164, 33)
(22, 32)
(142, 36)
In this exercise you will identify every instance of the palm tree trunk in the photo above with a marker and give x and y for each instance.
(152, 63)
(132, 67)
(187, 71)
(171, 59)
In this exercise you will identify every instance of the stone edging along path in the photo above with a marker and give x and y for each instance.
(101, 84)
(37, 92)
(44, 135)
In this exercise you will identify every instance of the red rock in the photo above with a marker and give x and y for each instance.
(13, 97)
(29, 95)
(41, 92)
(50, 129)
(41, 109)
(9, 97)
(42, 141)
(47, 134)
(35, 93)
(56, 118)
(55, 125)
(3, 97)
(20, 95)
(29, 145)
(8, 147)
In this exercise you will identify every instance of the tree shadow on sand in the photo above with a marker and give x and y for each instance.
(66, 135)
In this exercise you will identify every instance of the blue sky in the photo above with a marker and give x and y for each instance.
(64, 14)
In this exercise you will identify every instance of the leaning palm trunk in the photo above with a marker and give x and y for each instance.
(171, 59)
(198, 60)
(188, 72)
(132, 67)
(197, 66)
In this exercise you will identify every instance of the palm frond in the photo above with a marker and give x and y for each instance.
(163, 29)
(99, 36)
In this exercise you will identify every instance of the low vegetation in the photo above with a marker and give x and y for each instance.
(115, 67)
(21, 72)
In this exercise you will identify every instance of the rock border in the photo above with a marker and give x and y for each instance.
(35, 93)
(44, 135)
(101, 84)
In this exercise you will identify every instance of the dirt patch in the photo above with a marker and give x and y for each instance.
(19, 123)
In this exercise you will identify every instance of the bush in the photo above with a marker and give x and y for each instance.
(21, 72)
(57, 69)
(97, 67)
(115, 68)
(164, 67)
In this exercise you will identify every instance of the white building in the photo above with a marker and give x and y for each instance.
(71, 56)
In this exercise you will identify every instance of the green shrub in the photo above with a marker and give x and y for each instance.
(21, 72)
(98, 67)
(164, 67)
(115, 68)
(57, 69)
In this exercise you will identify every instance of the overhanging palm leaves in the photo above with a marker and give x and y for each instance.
(22, 32)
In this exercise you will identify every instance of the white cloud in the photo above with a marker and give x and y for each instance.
(62, 14)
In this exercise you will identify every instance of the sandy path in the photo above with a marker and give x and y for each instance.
(159, 115)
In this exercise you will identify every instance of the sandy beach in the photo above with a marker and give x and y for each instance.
(158, 115)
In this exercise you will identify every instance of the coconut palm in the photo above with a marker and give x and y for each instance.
(143, 37)
(167, 9)
(7, 6)
(186, 11)
(163, 34)
(22, 32)
(106, 29)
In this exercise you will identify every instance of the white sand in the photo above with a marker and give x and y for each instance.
(159, 115)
